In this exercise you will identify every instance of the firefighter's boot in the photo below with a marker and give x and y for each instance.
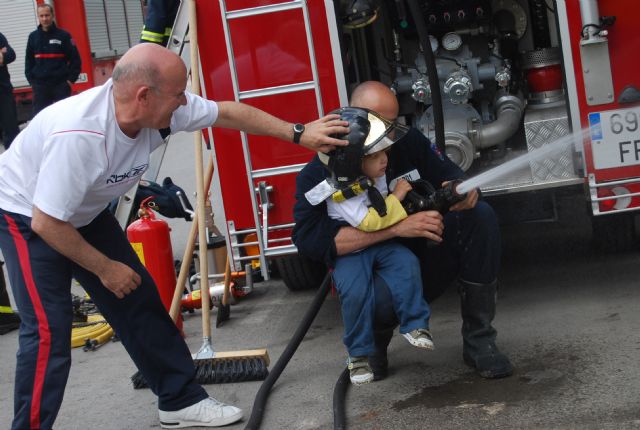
(378, 360)
(480, 350)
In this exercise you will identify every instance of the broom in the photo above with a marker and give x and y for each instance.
(211, 367)
(228, 366)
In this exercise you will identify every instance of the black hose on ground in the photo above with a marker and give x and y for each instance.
(339, 394)
(432, 72)
(260, 401)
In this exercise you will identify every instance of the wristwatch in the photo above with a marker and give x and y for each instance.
(298, 129)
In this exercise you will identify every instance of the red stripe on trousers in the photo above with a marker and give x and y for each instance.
(49, 55)
(41, 316)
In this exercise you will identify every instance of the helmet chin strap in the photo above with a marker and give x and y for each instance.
(355, 188)
(359, 186)
(377, 201)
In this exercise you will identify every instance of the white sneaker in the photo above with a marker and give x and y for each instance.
(206, 413)
(420, 338)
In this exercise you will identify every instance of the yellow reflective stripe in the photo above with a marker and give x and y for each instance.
(151, 36)
(6, 310)
(395, 214)
(167, 31)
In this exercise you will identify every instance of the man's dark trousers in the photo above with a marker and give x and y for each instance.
(8, 117)
(47, 94)
(41, 279)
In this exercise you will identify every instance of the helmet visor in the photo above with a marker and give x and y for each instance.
(382, 134)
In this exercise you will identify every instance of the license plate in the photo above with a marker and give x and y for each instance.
(615, 138)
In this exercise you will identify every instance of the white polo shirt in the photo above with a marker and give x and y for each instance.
(73, 159)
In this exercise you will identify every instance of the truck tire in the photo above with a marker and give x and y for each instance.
(300, 273)
(614, 233)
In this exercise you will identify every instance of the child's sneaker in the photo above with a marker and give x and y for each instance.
(359, 370)
(420, 338)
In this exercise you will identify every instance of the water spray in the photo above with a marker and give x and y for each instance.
(424, 197)
(546, 151)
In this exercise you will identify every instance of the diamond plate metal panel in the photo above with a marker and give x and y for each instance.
(542, 127)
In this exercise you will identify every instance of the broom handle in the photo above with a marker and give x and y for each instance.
(202, 233)
(227, 283)
(188, 255)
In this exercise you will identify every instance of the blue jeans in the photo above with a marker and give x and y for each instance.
(353, 276)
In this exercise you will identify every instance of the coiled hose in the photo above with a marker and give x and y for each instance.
(95, 331)
(260, 401)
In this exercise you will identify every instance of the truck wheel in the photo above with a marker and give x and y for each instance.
(614, 233)
(300, 273)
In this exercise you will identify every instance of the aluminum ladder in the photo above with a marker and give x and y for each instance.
(260, 194)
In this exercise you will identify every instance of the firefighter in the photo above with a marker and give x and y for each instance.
(159, 21)
(469, 241)
(52, 62)
(68, 164)
(8, 117)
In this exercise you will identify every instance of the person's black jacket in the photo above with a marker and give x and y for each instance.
(52, 57)
(7, 58)
(314, 232)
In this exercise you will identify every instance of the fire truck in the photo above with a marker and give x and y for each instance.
(103, 30)
(487, 80)
(513, 76)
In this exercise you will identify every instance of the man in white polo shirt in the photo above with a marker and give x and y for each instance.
(56, 181)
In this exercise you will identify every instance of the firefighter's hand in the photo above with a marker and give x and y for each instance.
(468, 203)
(120, 279)
(427, 224)
(317, 134)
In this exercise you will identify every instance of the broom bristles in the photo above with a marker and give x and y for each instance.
(221, 371)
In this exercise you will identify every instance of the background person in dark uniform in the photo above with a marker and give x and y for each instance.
(52, 61)
(159, 21)
(8, 119)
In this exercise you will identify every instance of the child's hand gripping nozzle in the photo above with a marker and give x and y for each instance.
(424, 197)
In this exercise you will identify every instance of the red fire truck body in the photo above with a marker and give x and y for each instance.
(569, 67)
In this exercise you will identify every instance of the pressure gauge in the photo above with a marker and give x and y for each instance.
(451, 41)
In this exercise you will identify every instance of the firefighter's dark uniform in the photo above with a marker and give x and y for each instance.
(51, 60)
(8, 121)
(159, 21)
(469, 253)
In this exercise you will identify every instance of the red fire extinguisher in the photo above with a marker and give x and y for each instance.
(150, 239)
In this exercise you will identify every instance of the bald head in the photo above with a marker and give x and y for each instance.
(146, 64)
(376, 96)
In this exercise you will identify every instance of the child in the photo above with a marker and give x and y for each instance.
(354, 273)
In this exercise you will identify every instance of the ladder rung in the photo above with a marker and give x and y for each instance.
(275, 171)
(260, 10)
(282, 89)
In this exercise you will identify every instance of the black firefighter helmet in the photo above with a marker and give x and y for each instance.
(368, 134)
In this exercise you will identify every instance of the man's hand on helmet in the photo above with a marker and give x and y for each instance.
(317, 134)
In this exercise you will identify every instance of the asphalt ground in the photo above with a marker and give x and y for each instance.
(567, 318)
